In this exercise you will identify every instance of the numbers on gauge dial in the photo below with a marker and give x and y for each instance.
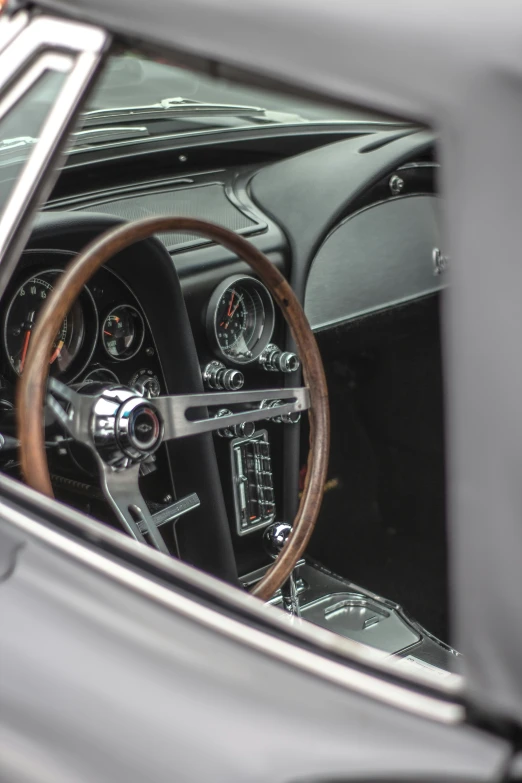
(20, 320)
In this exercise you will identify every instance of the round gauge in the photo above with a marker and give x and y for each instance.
(20, 319)
(240, 319)
(123, 332)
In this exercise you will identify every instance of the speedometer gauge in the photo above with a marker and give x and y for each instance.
(20, 319)
(240, 319)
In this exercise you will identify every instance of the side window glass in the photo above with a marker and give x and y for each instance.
(21, 127)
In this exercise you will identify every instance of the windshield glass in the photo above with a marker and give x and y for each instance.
(135, 81)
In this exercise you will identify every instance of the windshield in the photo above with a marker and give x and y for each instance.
(136, 81)
(138, 97)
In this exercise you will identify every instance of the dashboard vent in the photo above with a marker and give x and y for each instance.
(207, 202)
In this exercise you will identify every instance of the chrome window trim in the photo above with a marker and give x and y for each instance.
(400, 696)
(46, 62)
(47, 33)
(11, 26)
(83, 47)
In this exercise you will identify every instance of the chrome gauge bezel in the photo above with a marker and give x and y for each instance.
(86, 347)
(263, 333)
(134, 350)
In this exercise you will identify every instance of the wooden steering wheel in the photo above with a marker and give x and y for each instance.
(122, 428)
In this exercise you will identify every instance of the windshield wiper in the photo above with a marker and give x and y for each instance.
(168, 108)
(108, 133)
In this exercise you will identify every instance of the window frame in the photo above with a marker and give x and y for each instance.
(25, 52)
(30, 46)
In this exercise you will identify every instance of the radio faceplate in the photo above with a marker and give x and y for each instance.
(253, 483)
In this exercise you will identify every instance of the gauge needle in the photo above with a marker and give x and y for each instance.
(24, 350)
(229, 312)
(237, 305)
(57, 352)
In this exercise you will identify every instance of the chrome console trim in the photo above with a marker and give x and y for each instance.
(319, 586)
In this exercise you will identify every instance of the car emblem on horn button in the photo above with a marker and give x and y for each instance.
(127, 428)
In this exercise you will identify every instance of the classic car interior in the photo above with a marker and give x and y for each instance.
(346, 209)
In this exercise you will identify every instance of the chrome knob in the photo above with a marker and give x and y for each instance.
(289, 362)
(232, 380)
(146, 383)
(286, 418)
(273, 359)
(216, 376)
(275, 537)
(245, 429)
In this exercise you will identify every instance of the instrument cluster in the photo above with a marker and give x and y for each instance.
(105, 336)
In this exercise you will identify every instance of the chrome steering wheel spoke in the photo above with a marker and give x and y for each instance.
(123, 429)
(109, 424)
(121, 490)
(75, 415)
(174, 409)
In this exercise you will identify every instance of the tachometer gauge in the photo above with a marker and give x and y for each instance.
(123, 332)
(20, 319)
(240, 319)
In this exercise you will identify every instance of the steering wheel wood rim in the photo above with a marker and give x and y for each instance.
(32, 385)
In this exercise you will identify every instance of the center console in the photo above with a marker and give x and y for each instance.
(331, 602)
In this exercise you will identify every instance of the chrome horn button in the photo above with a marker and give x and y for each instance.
(139, 427)
(126, 429)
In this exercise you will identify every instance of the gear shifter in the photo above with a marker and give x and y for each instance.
(274, 539)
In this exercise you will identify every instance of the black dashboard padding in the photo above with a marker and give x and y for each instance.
(208, 202)
(376, 258)
(306, 196)
(147, 268)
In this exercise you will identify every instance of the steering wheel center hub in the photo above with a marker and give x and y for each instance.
(126, 429)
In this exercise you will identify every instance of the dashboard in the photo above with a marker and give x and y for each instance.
(176, 314)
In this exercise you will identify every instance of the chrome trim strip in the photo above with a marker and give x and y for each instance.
(11, 26)
(368, 685)
(419, 165)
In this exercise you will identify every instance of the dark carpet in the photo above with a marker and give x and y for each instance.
(382, 523)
